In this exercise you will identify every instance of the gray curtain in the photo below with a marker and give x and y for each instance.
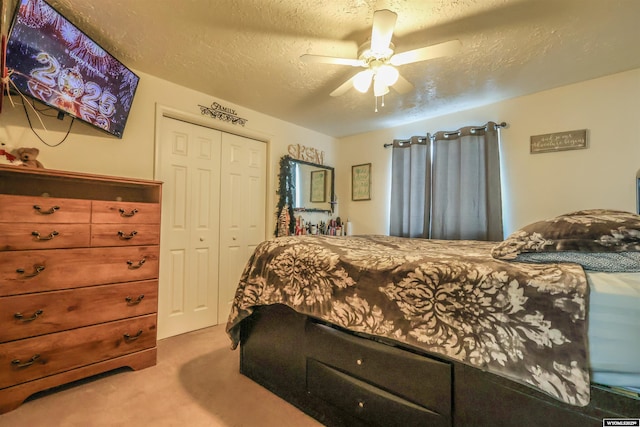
(410, 188)
(454, 191)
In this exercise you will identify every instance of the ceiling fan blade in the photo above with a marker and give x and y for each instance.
(428, 52)
(402, 85)
(384, 21)
(331, 60)
(343, 88)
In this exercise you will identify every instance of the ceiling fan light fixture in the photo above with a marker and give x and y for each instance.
(378, 57)
(388, 74)
(379, 87)
(362, 80)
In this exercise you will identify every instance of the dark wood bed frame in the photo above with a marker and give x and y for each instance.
(343, 379)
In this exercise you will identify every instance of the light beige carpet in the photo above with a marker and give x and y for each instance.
(195, 383)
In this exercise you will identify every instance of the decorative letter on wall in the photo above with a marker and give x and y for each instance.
(306, 154)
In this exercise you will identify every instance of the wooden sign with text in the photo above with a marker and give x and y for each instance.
(559, 141)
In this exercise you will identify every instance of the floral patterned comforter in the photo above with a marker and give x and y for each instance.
(526, 322)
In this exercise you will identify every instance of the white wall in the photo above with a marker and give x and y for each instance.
(536, 186)
(92, 151)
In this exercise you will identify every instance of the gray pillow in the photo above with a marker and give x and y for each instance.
(587, 231)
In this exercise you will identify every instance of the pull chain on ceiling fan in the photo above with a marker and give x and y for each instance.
(379, 60)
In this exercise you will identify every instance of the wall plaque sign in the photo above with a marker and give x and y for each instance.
(220, 112)
(361, 182)
(559, 141)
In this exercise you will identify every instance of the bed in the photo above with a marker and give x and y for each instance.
(380, 330)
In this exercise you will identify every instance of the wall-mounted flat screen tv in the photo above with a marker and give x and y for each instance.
(51, 60)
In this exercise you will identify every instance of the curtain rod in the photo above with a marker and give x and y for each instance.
(457, 132)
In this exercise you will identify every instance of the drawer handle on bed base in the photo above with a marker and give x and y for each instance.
(127, 214)
(51, 210)
(37, 270)
(131, 301)
(49, 237)
(133, 266)
(129, 237)
(18, 364)
(129, 338)
(21, 317)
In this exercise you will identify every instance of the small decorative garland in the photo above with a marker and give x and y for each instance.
(285, 225)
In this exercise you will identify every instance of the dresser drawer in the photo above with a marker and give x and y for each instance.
(372, 405)
(24, 316)
(125, 212)
(43, 209)
(21, 236)
(422, 380)
(25, 272)
(124, 234)
(32, 358)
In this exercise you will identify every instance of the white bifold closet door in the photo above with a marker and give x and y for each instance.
(213, 215)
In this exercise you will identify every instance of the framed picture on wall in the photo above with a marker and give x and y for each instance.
(318, 186)
(361, 182)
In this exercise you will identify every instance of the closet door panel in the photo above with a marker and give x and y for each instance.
(189, 162)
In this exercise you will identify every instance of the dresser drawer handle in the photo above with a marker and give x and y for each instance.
(37, 270)
(131, 301)
(129, 237)
(127, 214)
(21, 317)
(133, 266)
(49, 237)
(18, 364)
(51, 210)
(128, 337)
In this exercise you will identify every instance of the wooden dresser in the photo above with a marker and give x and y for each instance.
(78, 277)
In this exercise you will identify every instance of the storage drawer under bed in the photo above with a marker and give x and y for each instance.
(359, 375)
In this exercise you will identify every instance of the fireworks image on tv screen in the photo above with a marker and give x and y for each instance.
(51, 60)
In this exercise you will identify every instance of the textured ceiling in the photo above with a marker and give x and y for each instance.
(247, 52)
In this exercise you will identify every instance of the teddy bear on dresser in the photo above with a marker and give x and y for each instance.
(8, 156)
(29, 157)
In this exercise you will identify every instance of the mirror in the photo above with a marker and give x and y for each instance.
(313, 186)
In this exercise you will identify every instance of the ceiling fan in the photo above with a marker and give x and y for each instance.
(379, 60)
